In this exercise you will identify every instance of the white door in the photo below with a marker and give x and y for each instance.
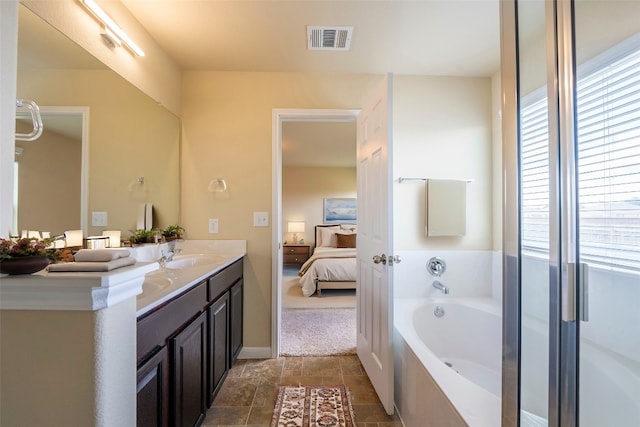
(374, 241)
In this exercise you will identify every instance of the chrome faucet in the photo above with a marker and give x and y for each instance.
(436, 284)
(165, 258)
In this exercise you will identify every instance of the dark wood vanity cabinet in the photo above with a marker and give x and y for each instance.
(218, 345)
(185, 348)
(237, 310)
(189, 373)
(153, 390)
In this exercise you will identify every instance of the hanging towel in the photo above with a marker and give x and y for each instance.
(446, 207)
(148, 216)
(141, 217)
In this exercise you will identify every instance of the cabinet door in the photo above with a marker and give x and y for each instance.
(218, 344)
(237, 297)
(188, 351)
(152, 391)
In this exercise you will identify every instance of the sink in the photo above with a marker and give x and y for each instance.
(155, 283)
(192, 260)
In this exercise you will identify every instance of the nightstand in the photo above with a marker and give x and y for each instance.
(295, 254)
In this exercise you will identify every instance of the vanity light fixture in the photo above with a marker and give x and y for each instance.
(113, 33)
(295, 227)
(218, 185)
(110, 37)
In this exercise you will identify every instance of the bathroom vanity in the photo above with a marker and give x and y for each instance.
(186, 346)
(148, 344)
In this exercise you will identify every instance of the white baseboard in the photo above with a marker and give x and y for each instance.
(255, 353)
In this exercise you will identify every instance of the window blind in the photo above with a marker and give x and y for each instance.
(608, 136)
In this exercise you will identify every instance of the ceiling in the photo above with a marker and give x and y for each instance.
(423, 37)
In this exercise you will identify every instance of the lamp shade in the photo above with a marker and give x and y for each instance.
(295, 226)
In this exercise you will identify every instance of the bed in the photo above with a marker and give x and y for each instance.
(333, 262)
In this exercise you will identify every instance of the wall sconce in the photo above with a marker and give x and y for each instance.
(112, 31)
(218, 185)
(295, 227)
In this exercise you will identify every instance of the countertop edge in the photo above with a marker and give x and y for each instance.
(92, 291)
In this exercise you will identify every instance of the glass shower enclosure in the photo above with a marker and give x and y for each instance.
(571, 132)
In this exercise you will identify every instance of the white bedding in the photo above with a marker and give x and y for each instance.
(327, 264)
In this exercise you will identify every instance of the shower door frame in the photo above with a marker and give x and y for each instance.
(563, 221)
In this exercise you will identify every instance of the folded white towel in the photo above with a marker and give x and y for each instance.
(100, 255)
(92, 266)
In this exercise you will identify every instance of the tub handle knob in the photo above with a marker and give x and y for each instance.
(380, 259)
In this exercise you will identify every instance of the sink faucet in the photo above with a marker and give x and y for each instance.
(436, 284)
(165, 258)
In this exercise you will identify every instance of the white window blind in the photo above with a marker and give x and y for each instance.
(534, 134)
(608, 135)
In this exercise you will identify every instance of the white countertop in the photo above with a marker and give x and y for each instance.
(209, 256)
(146, 280)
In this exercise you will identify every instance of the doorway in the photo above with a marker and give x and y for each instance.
(62, 152)
(281, 118)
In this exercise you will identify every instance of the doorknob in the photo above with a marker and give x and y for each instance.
(377, 259)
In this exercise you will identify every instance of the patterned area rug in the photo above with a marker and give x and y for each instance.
(313, 406)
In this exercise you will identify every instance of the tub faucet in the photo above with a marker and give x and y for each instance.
(436, 284)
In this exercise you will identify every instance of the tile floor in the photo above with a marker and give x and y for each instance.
(249, 393)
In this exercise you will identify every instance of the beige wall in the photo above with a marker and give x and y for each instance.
(442, 130)
(129, 136)
(49, 183)
(79, 367)
(304, 190)
(227, 133)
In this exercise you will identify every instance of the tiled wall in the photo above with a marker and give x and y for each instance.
(468, 274)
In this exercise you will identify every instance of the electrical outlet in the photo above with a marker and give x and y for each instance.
(99, 219)
(213, 225)
(261, 219)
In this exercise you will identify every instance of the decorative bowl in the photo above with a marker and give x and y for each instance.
(23, 265)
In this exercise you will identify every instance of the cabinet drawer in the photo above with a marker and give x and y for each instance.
(296, 250)
(219, 283)
(295, 259)
(155, 328)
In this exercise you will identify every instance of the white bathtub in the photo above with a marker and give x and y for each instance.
(468, 338)
(448, 369)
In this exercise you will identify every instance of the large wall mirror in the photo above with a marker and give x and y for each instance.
(102, 137)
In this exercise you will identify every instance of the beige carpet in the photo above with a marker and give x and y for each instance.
(307, 406)
(317, 332)
(292, 294)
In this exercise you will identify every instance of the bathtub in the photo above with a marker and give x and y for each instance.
(456, 379)
(448, 368)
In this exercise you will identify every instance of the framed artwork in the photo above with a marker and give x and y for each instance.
(340, 209)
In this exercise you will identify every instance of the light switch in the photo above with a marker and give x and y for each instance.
(261, 219)
(99, 219)
(213, 225)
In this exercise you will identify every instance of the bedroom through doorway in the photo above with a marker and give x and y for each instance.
(318, 162)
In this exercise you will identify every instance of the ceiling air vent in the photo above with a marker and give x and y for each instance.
(329, 38)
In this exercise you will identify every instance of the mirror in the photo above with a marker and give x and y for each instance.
(58, 153)
(128, 136)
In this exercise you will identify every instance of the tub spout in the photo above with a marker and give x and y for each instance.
(436, 284)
